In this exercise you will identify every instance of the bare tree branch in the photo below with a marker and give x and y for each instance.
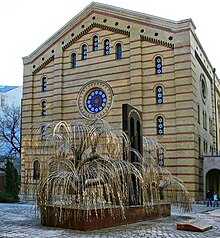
(10, 127)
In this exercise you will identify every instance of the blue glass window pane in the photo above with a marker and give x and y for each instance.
(84, 52)
(44, 108)
(73, 60)
(158, 65)
(159, 95)
(96, 101)
(160, 126)
(106, 47)
(118, 51)
(95, 43)
(44, 84)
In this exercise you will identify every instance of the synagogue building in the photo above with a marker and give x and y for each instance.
(146, 75)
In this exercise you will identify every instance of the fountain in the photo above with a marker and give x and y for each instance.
(87, 181)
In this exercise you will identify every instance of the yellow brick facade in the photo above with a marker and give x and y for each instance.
(132, 79)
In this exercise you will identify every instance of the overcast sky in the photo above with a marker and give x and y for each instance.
(26, 24)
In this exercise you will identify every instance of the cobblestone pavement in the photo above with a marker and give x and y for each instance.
(22, 220)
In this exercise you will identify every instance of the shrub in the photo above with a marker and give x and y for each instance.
(7, 198)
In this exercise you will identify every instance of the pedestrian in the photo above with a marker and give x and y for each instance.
(209, 198)
(215, 199)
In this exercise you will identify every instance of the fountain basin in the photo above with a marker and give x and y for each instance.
(77, 219)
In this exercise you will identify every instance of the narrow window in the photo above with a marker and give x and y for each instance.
(159, 95)
(106, 47)
(44, 108)
(160, 125)
(158, 65)
(198, 111)
(160, 155)
(95, 43)
(43, 132)
(73, 60)
(118, 51)
(204, 120)
(44, 84)
(199, 144)
(36, 170)
(84, 52)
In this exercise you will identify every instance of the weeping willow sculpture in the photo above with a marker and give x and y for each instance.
(88, 167)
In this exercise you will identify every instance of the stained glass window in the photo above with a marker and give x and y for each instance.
(118, 51)
(160, 155)
(160, 125)
(44, 84)
(158, 65)
(84, 52)
(159, 95)
(95, 43)
(44, 108)
(96, 101)
(43, 132)
(73, 60)
(106, 47)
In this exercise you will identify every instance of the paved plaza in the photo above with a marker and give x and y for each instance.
(22, 220)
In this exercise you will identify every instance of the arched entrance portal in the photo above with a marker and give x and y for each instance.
(132, 125)
(213, 180)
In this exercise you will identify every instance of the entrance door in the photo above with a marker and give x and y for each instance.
(132, 125)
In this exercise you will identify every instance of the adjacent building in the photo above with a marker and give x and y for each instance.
(152, 78)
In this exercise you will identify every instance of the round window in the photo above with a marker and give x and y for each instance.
(203, 87)
(95, 99)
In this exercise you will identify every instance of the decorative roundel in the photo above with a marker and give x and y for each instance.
(95, 99)
(203, 87)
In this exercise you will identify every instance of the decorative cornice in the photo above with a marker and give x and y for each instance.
(43, 65)
(157, 42)
(101, 26)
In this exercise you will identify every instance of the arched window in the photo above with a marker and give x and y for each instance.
(106, 47)
(84, 52)
(159, 95)
(44, 84)
(43, 132)
(44, 108)
(118, 51)
(160, 155)
(36, 170)
(95, 43)
(158, 65)
(160, 125)
(198, 112)
(73, 60)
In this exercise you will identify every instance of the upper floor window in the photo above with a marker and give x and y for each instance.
(73, 60)
(203, 88)
(95, 43)
(44, 108)
(44, 84)
(36, 170)
(118, 51)
(160, 155)
(43, 132)
(204, 120)
(198, 111)
(158, 65)
(106, 47)
(84, 52)
(160, 125)
(159, 95)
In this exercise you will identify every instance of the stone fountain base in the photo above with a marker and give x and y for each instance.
(76, 218)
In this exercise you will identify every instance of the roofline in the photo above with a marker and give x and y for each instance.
(56, 35)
